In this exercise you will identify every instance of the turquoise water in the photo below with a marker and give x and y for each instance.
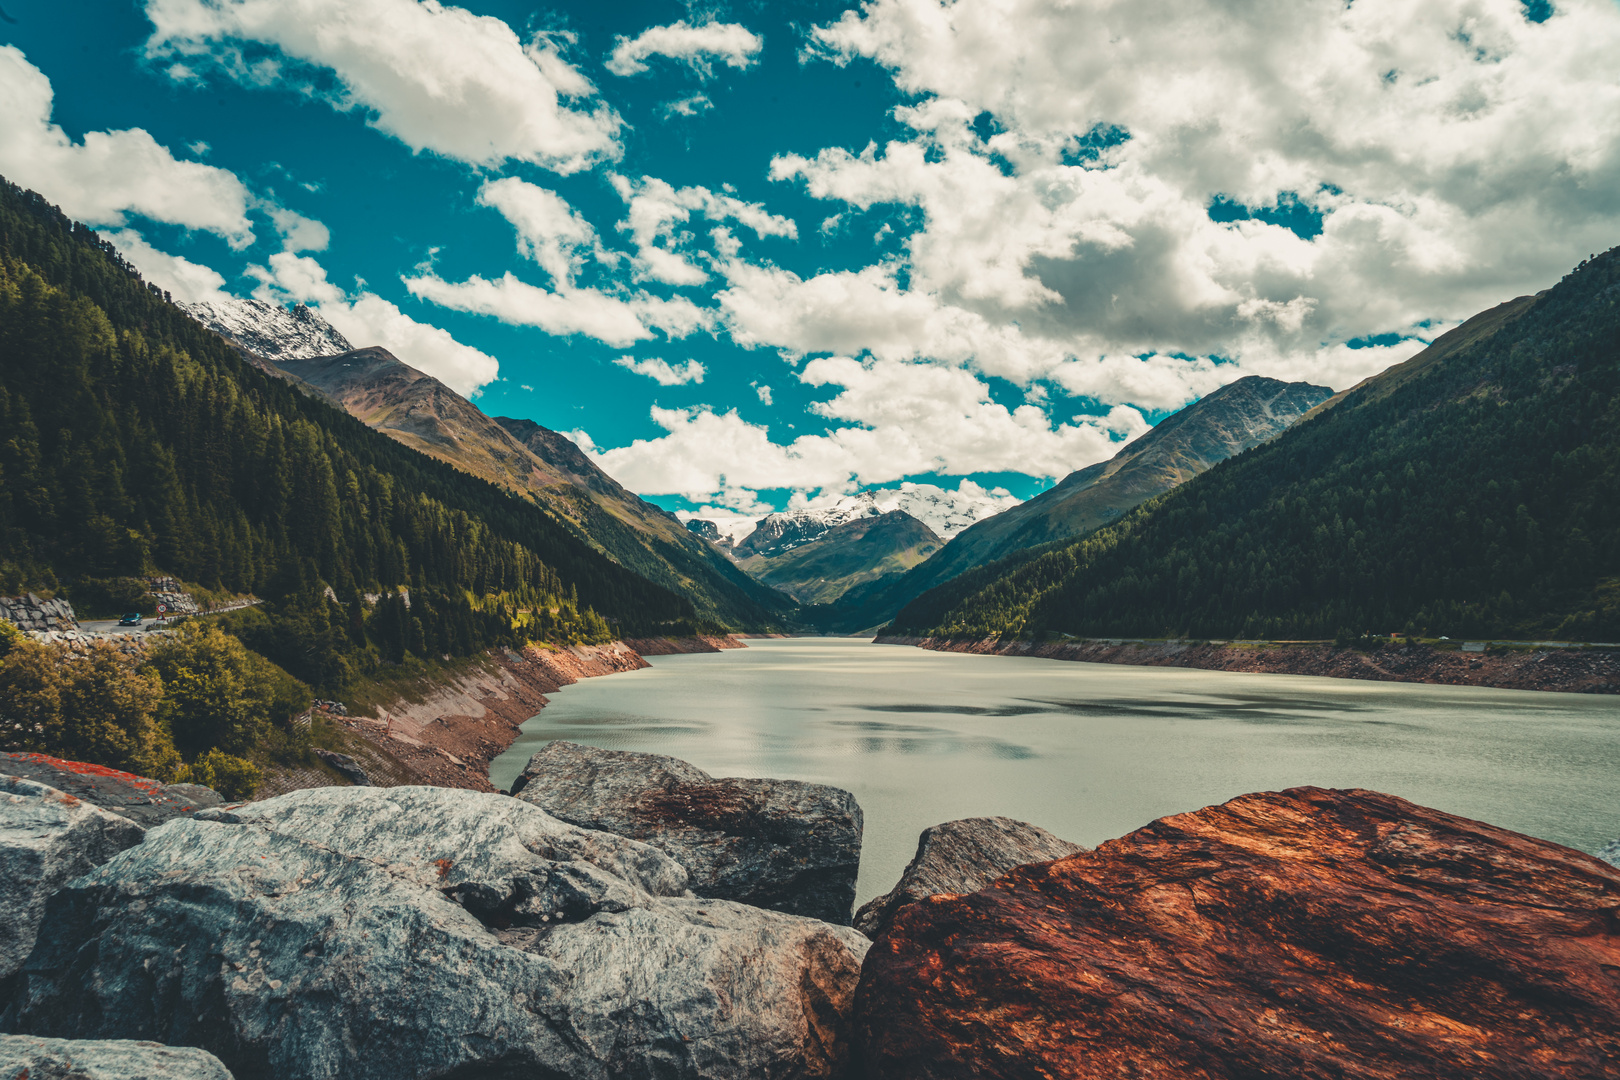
(1090, 751)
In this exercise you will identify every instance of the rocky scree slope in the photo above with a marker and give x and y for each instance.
(1298, 935)
(1218, 426)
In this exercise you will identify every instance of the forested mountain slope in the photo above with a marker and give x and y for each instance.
(1473, 490)
(134, 440)
(1228, 421)
(418, 410)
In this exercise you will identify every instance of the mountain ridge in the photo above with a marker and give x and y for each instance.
(1225, 422)
(1473, 490)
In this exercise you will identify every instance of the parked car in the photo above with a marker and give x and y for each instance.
(132, 619)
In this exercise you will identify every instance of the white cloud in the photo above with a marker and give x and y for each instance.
(696, 46)
(299, 233)
(657, 211)
(1457, 153)
(694, 105)
(902, 418)
(662, 372)
(436, 77)
(111, 174)
(762, 391)
(186, 281)
(550, 231)
(367, 319)
(614, 320)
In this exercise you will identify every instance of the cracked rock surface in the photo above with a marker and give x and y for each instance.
(428, 932)
(47, 838)
(1307, 934)
(25, 1057)
(785, 845)
(962, 857)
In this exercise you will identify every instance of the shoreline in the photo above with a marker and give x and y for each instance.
(449, 735)
(1556, 670)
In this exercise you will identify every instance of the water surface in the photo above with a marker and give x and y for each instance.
(1090, 751)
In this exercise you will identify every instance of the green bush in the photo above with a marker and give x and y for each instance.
(234, 778)
(92, 706)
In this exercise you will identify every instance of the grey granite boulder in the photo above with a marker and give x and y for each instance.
(779, 844)
(394, 933)
(47, 838)
(144, 801)
(25, 1057)
(962, 857)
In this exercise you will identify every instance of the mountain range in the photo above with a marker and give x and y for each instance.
(1473, 490)
(415, 409)
(1232, 419)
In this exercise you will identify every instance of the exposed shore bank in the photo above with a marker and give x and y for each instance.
(1581, 671)
(445, 731)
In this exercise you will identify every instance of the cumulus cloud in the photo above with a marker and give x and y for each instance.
(111, 174)
(1379, 165)
(367, 319)
(698, 47)
(549, 230)
(618, 321)
(656, 213)
(662, 372)
(186, 281)
(299, 233)
(895, 419)
(436, 77)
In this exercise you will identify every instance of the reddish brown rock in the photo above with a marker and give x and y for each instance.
(1298, 935)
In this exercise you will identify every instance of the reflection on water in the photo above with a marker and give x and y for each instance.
(1090, 751)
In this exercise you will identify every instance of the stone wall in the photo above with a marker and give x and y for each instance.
(29, 612)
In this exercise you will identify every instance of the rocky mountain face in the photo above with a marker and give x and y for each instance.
(269, 330)
(855, 553)
(1238, 416)
(1302, 933)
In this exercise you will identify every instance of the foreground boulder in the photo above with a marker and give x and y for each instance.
(24, 1057)
(779, 844)
(961, 857)
(47, 838)
(1296, 935)
(393, 933)
(144, 801)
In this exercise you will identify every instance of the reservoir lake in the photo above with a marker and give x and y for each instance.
(1090, 751)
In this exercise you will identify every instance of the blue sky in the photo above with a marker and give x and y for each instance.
(903, 241)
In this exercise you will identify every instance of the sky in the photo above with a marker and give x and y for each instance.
(757, 255)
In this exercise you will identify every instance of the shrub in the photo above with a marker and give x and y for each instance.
(234, 778)
(93, 707)
(215, 692)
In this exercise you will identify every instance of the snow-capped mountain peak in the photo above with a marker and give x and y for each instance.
(274, 332)
(944, 511)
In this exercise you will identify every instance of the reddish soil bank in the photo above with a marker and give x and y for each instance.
(1584, 671)
(447, 734)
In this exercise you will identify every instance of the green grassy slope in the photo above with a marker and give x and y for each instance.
(1474, 490)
